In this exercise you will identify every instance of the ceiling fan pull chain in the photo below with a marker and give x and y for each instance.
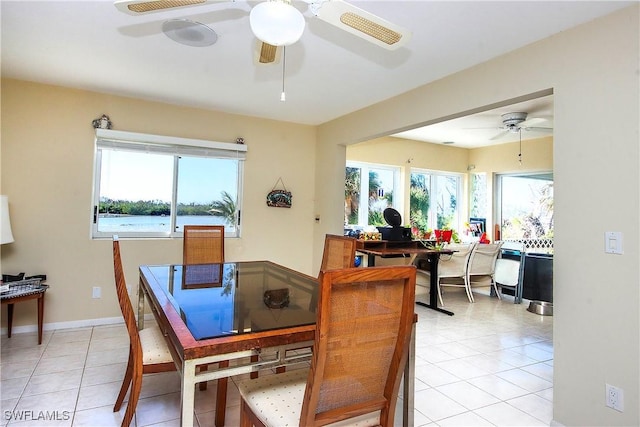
(284, 60)
(520, 151)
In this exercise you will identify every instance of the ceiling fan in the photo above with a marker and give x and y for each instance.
(278, 23)
(517, 122)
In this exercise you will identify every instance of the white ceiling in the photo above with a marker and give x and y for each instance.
(329, 73)
(486, 128)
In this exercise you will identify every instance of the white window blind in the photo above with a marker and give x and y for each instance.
(119, 140)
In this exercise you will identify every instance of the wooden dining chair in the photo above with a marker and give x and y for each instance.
(148, 351)
(339, 252)
(203, 244)
(361, 345)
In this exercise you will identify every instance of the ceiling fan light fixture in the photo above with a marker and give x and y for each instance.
(277, 23)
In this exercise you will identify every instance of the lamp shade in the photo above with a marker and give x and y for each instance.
(277, 23)
(5, 223)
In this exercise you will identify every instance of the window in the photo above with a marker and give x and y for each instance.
(478, 204)
(379, 183)
(151, 186)
(433, 200)
(526, 208)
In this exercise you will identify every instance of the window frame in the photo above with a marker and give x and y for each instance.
(483, 205)
(165, 145)
(398, 196)
(433, 218)
(499, 191)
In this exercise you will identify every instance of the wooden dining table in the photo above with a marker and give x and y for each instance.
(237, 318)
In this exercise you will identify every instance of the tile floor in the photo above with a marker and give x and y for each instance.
(489, 364)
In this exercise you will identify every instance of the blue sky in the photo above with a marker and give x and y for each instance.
(135, 176)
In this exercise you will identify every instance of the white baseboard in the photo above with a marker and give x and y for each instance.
(70, 325)
(555, 423)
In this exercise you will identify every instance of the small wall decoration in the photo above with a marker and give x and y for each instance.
(102, 122)
(279, 198)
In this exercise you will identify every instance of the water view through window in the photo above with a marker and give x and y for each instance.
(149, 193)
(118, 224)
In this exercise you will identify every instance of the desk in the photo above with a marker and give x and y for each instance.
(372, 251)
(213, 313)
(24, 290)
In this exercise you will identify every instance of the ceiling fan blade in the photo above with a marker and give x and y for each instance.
(267, 53)
(361, 23)
(532, 122)
(537, 129)
(500, 135)
(141, 7)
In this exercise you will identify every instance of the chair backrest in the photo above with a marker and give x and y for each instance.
(125, 305)
(455, 265)
(509, 270)
(363, 330)
(483, 259)
(203, 244)
(339, 252)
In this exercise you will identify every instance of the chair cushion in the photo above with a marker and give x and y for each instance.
(277, 400)
(154, 346)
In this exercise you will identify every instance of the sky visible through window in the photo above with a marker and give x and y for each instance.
(140, 176)
(135, 176)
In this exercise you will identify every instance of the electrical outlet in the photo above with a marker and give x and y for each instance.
(97, 292)
(614, 397)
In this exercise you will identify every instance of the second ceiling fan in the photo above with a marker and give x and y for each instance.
(517, 122)
(278, 23)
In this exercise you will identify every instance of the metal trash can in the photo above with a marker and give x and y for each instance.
(537, 284)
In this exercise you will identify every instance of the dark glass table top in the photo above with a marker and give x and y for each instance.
(216, 300)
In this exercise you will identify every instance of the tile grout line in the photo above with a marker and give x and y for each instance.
(84, 368)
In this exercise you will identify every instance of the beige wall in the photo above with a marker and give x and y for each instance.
(47, 167)
(398, 152)
(537, 155)
(593, 73)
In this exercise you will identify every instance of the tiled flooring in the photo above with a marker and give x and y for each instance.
(489, 364)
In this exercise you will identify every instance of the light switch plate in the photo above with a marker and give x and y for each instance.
(613, 242)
